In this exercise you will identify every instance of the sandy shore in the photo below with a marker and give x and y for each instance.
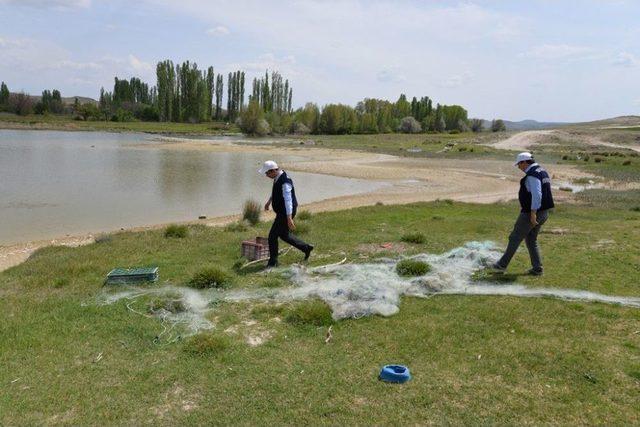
(410, 180)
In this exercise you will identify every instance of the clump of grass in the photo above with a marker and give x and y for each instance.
(598, 159)
(206, 345)
(170, 303)
(302, 228)
(626, 163)
(103, 238)
(414, 238)
(437, 218)
(315, 313)
(267, 311)
(237, 227)
(60, 282)
(210, 277)
(177, 231)
(251, 212)
(636, 209)
(412, 267)
(273, 282)
(304, 215)
(379, 203)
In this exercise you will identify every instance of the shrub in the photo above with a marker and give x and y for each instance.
(409, 125)
(206, 344)
(210, 277)
(598, 159)
(626, 163)
(175, 230)
(636, 208)
(315, 313)
(103, 238)
(303, 215)
(412, 267)
(300, 129)
(414, 238)
(251, 212)
(170, 303)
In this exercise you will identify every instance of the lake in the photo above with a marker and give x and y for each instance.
(55, 183)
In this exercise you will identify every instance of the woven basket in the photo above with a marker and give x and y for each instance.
(257, 248)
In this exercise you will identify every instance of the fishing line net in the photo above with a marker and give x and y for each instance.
(356, 290)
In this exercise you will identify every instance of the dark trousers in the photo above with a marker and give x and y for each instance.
(280, 229)
(523, 230)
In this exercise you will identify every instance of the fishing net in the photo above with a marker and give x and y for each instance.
(357, 290)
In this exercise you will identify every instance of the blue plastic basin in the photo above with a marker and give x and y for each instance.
(395, 374)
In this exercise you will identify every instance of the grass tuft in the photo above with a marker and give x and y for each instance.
(412, 267)
(414, 238)
(302, 228)
(204, 344)
(251, 212)
(315, 313)
(237, 227)
(210, 277)
(176, 231)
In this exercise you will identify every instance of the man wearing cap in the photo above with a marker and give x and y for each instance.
(283, 200)
(535, 201)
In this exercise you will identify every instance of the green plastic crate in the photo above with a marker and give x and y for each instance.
(132, 275)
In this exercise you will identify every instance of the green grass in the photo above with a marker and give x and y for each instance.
(176, 231)
(412, 267)
(210, 277)
(61, 122)
(474, 360)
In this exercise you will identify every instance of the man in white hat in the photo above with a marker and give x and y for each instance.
(284, 203)
(535, 201)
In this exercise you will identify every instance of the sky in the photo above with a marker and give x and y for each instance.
(548, 60)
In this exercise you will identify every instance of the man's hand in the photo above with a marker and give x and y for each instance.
(266, 205)
(533, 218)
(290, 223)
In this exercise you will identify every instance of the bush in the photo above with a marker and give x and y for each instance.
(498, 126)
(414, 238)
(303, 215)
(252, 120)
(412, 267)
(410, 125)
(175, 230)
(170, 303)
(251, 212)
(476, 125)
(598, 159)
(206, 344)
(300, 129)
(210, 277)
(315, 313)
(626, 163)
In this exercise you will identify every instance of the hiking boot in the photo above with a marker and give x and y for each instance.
(498, 267)
(307, 253)
(535, 272)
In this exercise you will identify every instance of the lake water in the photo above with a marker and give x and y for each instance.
(58, 183)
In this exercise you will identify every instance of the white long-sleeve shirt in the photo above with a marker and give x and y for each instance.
(534, 186)
(286, 193)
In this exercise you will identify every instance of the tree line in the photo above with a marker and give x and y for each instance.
(185, 93)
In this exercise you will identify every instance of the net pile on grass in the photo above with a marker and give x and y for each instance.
(357, 290)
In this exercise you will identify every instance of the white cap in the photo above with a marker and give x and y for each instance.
(267, 166)
(523, 157)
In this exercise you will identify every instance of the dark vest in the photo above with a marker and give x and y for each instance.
(525, 196)
(277, 199)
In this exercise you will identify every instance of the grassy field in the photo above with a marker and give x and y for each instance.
(475, 360)
(66, 123)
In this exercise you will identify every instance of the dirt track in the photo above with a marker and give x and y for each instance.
(528, 140)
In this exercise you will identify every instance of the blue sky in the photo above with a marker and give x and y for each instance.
(546, 60)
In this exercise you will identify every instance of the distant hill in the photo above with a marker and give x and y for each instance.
(527, 125)
(615, 121)
(70, 100)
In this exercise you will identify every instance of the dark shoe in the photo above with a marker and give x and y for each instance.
(498, 267)
(307, 253)
(272, 265)
(534, 272)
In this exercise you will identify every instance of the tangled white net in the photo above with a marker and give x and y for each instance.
(357, 290)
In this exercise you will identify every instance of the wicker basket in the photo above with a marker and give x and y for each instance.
(255, 249)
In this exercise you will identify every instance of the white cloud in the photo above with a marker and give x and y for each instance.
(558, 51)
(50, 4)
(139, 66)
(625, 59)
(391, 75)
(636, 102)
(218, 31)
(457, 80)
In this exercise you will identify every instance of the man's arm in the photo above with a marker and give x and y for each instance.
(266, 205)
(534, 186)
(288, 205)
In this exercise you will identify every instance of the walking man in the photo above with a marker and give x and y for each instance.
(535, 201)
(284, 203)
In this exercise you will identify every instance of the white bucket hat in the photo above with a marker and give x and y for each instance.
(523, 157)
(267, 166)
